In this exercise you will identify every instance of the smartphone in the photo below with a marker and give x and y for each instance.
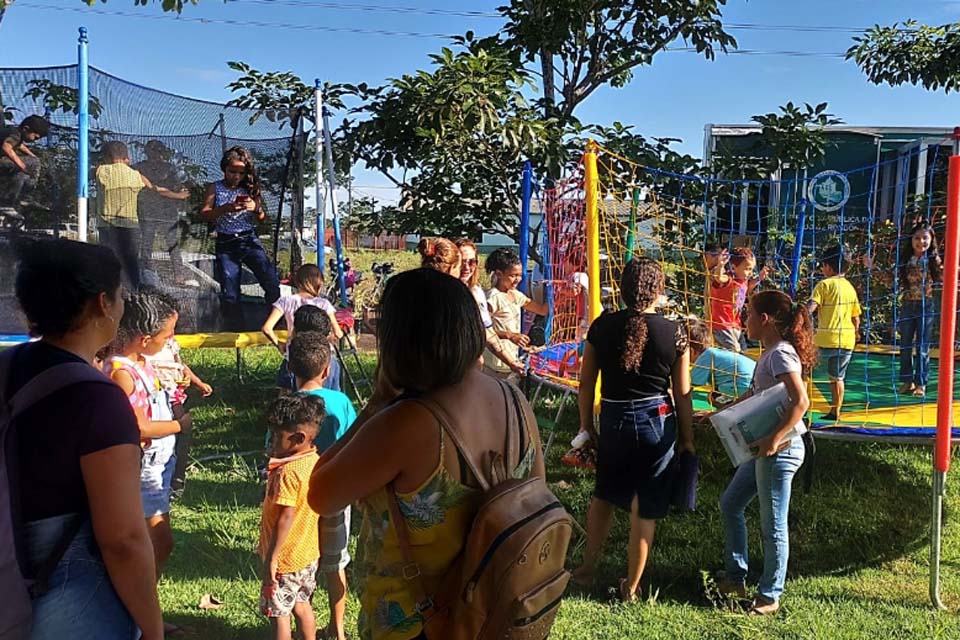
(242, 199)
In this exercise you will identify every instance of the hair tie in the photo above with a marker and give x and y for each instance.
(429, 250)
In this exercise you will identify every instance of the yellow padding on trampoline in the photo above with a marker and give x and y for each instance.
(226, 340)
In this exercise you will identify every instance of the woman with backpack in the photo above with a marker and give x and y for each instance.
(426, 461)
(642, 357)
(72, 453)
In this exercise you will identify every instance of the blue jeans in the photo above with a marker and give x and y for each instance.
(769, 479)
(81, 603)
(916, 325)
(233, 252)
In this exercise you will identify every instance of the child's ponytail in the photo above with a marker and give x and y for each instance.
(794, 323)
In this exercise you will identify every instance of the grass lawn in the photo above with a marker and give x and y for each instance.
(859, 539)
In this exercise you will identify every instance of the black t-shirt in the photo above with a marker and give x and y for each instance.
(57, 431)
(665, 343)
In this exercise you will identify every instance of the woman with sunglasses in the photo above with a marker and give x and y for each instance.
(470, 275)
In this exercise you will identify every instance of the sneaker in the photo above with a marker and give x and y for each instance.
(762, 606)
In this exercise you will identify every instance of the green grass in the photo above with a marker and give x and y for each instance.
(859, 539)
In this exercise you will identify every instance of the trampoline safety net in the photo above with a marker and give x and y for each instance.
(177, 143)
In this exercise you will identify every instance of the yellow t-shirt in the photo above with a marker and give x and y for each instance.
(838, 305)
(506, 312)
(118, 187)
(288, 480)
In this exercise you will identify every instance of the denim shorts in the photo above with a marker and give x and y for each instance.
(156, 476)
(334, 538)
(635, 454)
(80, 601)
(837, 362)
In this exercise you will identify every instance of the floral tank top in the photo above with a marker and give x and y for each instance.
(148, 394)
(438, 517)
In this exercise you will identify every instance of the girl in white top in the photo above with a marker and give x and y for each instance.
(308, 282)
(469, 275)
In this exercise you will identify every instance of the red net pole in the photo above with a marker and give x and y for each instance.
(948, 318)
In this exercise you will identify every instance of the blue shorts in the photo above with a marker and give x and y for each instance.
(635, 454)
(837, 362)
(156, 476)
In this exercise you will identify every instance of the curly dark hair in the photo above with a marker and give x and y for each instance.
(641, 284)
(308, 354)
(312, 318)
(144, 314)
(793, 321)
(289, 412)
(500, 260)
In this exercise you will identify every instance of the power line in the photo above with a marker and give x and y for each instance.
(416, 34)
(373, 8)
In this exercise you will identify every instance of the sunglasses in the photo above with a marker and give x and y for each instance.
(471, 262)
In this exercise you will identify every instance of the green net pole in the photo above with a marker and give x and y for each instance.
(632, 227)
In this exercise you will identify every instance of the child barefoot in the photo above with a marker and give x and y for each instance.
(786, 332)
(147, 324)
(310, 362)
(289, 544)
(920, 270)
(838, 308)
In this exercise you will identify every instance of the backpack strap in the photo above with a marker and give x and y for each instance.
(411, 570)
(36, 389)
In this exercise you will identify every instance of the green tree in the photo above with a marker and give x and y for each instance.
(167, 5)
(580, 47)
(910, 53)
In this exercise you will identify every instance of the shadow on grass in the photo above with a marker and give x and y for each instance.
(864, 509)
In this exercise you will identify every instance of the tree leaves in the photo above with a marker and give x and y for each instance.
(910, 53)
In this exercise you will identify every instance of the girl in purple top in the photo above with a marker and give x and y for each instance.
(235, 205)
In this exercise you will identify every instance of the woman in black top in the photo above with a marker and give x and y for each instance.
(78, 455)
(642, 356)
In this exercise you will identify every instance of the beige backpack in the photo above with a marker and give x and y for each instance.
(509, 579)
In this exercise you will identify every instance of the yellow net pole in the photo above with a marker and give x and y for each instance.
(592, 186)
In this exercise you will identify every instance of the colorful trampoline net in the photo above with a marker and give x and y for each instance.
(789, 226)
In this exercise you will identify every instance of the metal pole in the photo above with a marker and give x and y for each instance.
(222, 125)
(320, 203)
(592, 194)
(83, 135)
(632, 227)
(527, 195)
(331, 177)
(945, 383)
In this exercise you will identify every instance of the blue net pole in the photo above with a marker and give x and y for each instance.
(527, 189)
(319, 201)
(83, 134)
(798, 248)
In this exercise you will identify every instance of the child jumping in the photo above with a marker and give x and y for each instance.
(786, 332)
(837, 306)
(726, 373)
(289, 536)
(147, 324)
(119, 186)
(308, 282)
(919, 271)
(310, 363)
(728, 295)
(506, 305)
(235, 205)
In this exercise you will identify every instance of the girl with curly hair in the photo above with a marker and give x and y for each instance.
(785, 330)
(642, 356)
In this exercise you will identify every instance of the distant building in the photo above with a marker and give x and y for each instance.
(878, 171)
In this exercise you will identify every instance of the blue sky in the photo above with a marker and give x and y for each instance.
(676, 97)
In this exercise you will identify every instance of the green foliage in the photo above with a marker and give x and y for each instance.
(584, 46)
(453, 140)
(279, 96)
(167, 5)
(58, 97)
(911, 53)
